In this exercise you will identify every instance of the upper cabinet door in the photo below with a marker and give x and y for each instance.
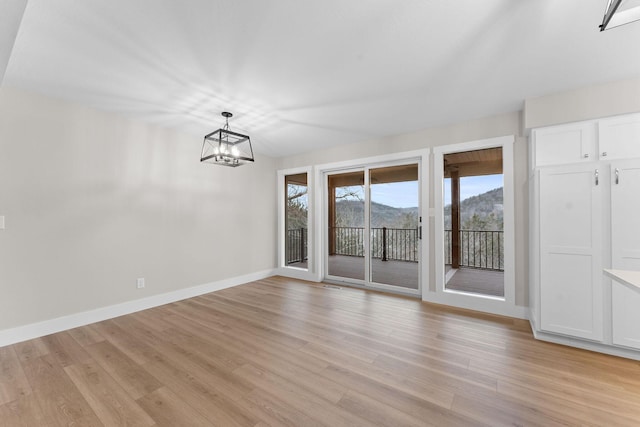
(619, 137)
(564, 144)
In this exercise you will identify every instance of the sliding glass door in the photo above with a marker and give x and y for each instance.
(394, 218)
(373, 227)
(346, 230)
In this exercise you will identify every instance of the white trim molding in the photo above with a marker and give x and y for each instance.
(586, 345)
(283, 268)
(503, 306)
(39, 329)
(478, 303)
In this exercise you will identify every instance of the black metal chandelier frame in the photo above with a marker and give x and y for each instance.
(225, 147)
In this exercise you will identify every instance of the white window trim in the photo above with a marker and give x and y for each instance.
(283, 269)
(503, 306)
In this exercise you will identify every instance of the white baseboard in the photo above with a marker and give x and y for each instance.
(485, 305)
(39, 329)
(587, 345)
(532, 319)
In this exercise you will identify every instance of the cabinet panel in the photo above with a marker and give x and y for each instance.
(626, 316)
(570, 251)
(567, 297)
(625, 215)
(619, 137)
(564, 144)
(567, 214)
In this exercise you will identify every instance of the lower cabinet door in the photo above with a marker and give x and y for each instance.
(626, 316)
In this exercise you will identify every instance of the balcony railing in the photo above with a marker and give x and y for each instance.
(396, 244)
(296, 248)
(478, 249)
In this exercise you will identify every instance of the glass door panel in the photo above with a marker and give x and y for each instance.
(296, 218)
(473, 222)
(395, 226)
(346, 225)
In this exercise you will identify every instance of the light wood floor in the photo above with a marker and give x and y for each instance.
(285, 352)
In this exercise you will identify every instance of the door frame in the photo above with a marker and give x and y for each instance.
(283, 268)
(491, 304)
(325, 226)
(321, 193)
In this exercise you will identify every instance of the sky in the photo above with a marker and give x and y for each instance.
(472, 186)
(405, 194)
(396, 194)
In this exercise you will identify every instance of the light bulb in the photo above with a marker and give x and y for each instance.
(234, 151)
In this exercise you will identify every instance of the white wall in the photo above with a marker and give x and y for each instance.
(506, 124)
(93, 201)
(591, 102)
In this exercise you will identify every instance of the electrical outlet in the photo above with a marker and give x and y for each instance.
(140, 283)
(1, 222)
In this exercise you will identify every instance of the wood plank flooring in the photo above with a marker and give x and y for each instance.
(283, 352)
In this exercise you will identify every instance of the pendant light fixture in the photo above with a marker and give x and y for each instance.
(225, 147)
(620, 12)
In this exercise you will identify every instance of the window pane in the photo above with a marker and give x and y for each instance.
(296, 208)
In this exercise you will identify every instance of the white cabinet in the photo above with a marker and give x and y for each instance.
(625, 215)
(571, 251)
(619, 137)
(563, 144)
(625, 250)
(615, 138)
(585, 217)
(625, 316)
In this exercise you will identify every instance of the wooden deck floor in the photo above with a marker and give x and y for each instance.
(406, 274)
(397, 273)
(282, 352)
(485, 282)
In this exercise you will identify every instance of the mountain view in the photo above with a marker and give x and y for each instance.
(350, 213)
(481, 212)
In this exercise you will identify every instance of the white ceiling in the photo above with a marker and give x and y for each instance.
(302, 75)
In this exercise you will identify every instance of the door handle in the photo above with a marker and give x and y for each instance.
(420, 232)
(617, 176)
(597, 179)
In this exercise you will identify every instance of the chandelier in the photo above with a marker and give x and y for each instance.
(225, 147)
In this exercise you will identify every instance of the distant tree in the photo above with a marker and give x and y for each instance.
(408, 220)
(479, 214)
(297, 206)
(483, 223)
(351, 206)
